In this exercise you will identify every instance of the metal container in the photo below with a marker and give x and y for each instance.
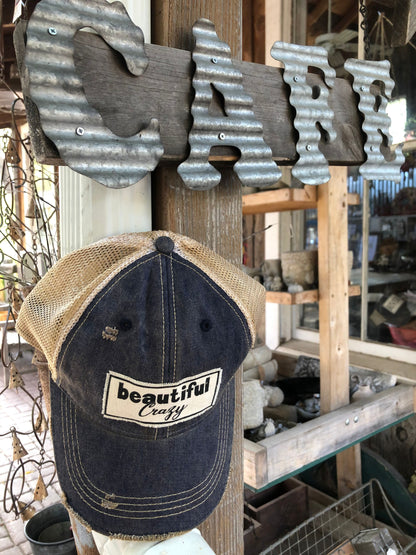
(49, 532)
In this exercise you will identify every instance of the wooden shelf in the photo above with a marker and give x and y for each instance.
(283, 200)
(280, 456)
(280, 200)
(309, 296)
(343, 425)
(292, 349)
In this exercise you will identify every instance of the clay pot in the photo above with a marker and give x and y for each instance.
(300, 268)
(362, 392)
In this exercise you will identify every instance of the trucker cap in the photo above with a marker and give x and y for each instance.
(143, 334)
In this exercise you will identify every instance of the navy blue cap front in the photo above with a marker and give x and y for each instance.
(142, 408)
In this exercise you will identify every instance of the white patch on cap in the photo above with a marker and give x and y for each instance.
(159, 405)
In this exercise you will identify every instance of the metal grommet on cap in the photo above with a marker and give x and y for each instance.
(164, 244)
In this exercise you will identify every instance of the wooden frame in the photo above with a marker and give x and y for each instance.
(286, 199)
(287, 453)
(309, 296)
(278, 457)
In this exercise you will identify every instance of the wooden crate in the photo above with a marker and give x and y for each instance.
(271, 513)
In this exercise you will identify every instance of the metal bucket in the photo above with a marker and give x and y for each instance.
(49, 532)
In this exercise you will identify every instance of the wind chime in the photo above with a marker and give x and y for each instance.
(21, 459)
(24, 463)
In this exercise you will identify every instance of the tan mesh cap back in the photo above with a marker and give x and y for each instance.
(56, 303)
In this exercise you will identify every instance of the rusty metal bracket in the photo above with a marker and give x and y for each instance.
(311, 105)
(376, 122)
(215, 73)
(77, 129)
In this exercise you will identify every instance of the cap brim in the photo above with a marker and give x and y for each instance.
(167, 487)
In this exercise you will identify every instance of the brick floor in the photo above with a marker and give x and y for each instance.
(16, 410)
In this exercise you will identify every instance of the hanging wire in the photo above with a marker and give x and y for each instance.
(364, 27)
(329, 16)
(28, 248)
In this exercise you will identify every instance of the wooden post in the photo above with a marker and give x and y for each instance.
(212, 217)
(333, 313)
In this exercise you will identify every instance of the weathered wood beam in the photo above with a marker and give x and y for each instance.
(349, 17)
(307, 443)
(6, 119)
(212, 217)
(404, 22)
(333, 286)
(320, 8)
(280, 200)
(333, 302)
(164, 91)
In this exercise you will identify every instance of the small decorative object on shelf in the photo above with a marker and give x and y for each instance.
(363, 390)
(300, 268)
(272, 274)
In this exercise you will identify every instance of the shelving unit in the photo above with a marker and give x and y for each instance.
(284, 200)
(342, 425)
(308, 296)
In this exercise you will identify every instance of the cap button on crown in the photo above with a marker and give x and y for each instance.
(164, 244)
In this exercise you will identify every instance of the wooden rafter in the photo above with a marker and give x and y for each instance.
(404, 22)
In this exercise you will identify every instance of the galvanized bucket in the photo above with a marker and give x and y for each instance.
(49, 532)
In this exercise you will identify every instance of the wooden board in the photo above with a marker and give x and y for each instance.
(310, 296)
(404, 22)
(285, 199)
(333, 286)
(277, 457)
(280, 200)
(333, 313)
(404, 372)
(164, 91)
(211, 217)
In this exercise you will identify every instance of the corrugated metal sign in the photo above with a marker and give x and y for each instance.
(376, 122)
(311, 105)
(238, 128)
(76, 128)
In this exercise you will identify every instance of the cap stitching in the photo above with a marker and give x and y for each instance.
(46, 319)
(163, 334)
(68, 326)
(174, 318)
(163, 319)
(136, 265)
(72, 447)
(221, 295)
(193, 506)
(101, 294)
(79, 465)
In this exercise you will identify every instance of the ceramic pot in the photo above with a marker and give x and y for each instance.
(362, 392)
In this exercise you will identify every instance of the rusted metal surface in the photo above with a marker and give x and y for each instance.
(215, 74)
(376, 121)
(84, 541)
(77, 129)
(311, 105)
